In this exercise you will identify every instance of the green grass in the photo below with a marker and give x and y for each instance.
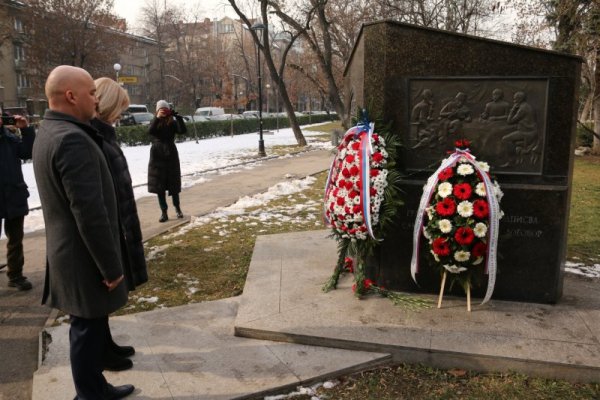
(584, 220)
(417, 382)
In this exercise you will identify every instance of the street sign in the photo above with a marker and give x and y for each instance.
(128, 79)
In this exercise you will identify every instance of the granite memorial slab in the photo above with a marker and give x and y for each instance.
(516, 104)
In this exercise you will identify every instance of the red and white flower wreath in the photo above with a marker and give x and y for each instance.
(356, 184)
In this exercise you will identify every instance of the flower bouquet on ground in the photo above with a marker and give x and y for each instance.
(361, 198)
(459, 215)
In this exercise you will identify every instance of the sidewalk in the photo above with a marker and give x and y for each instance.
(21, 315)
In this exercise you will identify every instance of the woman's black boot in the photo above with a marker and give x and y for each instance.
(179, 213)
(163, 217)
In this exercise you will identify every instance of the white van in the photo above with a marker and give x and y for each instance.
(209, 111)
(137, 108)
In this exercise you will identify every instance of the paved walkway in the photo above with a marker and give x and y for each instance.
(21, 315)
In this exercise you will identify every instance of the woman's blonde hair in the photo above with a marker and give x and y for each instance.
(112, 99)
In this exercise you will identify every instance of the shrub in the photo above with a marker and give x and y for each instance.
(138, 134)
(584, 136)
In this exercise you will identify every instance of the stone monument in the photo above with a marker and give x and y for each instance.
(517, 105)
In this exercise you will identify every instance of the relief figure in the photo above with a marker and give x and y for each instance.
(524, 141)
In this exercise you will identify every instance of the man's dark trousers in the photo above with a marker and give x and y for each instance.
(13, 228)
(87, 338)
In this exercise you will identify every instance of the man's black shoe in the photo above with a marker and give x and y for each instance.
(117, 392)
(117, 363)
(20, 283)
(123, 351)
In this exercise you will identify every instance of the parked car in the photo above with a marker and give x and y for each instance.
(250, 114)
(195, 118)
(225, 117)
(137, 108)
(209, 111)
(140, 118)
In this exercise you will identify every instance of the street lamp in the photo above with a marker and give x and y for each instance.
(117, 68)
(259, 28)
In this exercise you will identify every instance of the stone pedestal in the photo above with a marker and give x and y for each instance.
(516, 104)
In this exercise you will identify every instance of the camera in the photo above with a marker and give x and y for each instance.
(8, 120)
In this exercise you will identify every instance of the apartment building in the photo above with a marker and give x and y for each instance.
(137, 56)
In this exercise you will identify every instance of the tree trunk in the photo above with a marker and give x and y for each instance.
(596, 102)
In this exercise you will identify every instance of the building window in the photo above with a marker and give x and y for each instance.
(22, 81)
(18, 25)
(19, 53)
(227, 28)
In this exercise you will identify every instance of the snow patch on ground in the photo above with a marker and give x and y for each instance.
(589, 271)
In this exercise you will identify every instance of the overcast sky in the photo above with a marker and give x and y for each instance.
(131, 9)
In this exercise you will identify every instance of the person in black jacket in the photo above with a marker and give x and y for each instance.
(112, 100)
(13, 196)
(164, 172)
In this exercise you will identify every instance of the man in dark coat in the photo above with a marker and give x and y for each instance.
(84, 273)
(13, 196)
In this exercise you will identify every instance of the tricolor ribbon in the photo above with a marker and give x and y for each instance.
(494, 217)
(363, 132)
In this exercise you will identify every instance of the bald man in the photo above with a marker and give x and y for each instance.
(84, 273)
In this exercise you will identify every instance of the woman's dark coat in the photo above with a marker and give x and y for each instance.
(164, 172)
(13, 190)
(134, 264)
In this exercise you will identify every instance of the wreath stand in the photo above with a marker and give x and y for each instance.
(442, 293)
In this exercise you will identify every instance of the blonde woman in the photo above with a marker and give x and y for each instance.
(112, 101)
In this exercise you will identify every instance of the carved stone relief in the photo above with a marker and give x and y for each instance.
(503, 118)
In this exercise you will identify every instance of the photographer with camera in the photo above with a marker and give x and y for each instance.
(164, 171)
(14, 194)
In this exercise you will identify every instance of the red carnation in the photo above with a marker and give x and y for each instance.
(354, 170)
(346, 173)
(352, 194)
(377, 157)
(446, 174)
(355, 145)
(462, 191)
(480, 209)
(464, 236)
(340, 201)
(479, 249)
(349, 185)
(374, 172)
(375, 138)
(347, 210)
(445, 207)
(363, 228)
(349, 264)
(349, 158)
(462, 143)
(373, 191)
(441, 247)
(359, 185)
(368, 283)
(356, 209)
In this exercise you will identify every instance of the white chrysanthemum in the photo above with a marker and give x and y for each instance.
(478, 261)
(480, 230)
(497, 191)
(426, 234)
(465, 209)
(485, 167)
(454, 269)
(429, 211)
(462, 256)
(445, 225)
(501, 214)
(445, 189)
(356, 200)
(480, 189)
(465, 169)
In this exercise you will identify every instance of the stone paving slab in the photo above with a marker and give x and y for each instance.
(283, 301)
(190, 352)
